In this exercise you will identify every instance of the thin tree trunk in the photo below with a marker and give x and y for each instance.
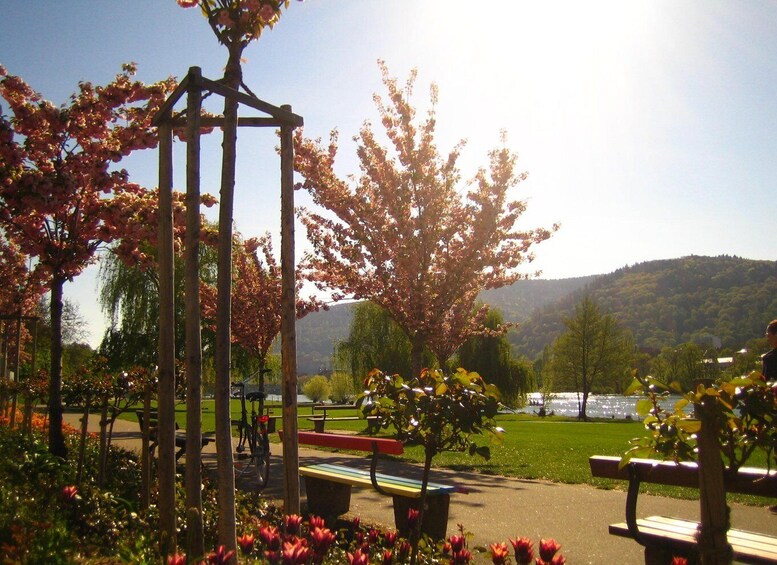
(104, 441)
(226, 485)
(288, 320)
(415, 534)
(166, 390)
(56, 437)
(194, 541)
(417, 355)
(82, 440)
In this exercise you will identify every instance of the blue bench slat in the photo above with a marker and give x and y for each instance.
(392, 479)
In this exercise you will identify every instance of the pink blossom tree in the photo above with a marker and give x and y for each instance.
(56, 183)
(407, 234)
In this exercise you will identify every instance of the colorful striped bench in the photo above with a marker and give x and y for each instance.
(329, 486)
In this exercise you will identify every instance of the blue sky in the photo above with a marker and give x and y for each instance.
(647, 128)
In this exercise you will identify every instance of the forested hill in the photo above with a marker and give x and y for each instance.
(669, 302)
(663, 303)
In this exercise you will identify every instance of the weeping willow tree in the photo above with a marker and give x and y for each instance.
(375, 341)
(490, 356)
(129, 297)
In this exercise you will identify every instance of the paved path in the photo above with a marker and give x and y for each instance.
(498, 507)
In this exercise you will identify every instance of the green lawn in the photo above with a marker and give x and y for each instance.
(553, 448)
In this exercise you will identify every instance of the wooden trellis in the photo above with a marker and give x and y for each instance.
(194, 85)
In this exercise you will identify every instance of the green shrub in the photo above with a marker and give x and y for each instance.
(343, 390)
(317, 388)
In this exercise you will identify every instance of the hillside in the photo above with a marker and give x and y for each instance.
(668, 302)
(663, 303)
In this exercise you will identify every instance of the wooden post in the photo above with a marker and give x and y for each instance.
(145, 455)
(194, 541)
(291, 488)
(166, 392)
(227, 532)
(714, 548)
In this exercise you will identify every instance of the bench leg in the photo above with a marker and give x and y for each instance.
(435, 516)
(655, 555)
(327, 499)
(318, 426)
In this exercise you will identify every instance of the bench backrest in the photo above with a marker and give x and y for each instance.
(356, 443)
(747, 480)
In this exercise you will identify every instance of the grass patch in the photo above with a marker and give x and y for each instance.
(553, 448)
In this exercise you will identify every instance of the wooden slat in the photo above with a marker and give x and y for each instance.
(355, 477)
(358, 443)
(749, 547)
(747, 480)
(387, 478)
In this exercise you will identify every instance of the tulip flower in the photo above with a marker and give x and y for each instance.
(387, 558)
(679, 561)
(316, 522)
(70, 493)
(295, 553)
(499, 553)
(176, 559)
(221, 556)
(270, 537)
(293, 523)
(321, 539)
(524, 550)
(246, 543)
(358, 558)
(548, 549)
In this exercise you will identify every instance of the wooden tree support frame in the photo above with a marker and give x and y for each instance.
(195, 85)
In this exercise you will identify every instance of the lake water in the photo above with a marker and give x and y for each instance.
(566, 404)
(599, 405)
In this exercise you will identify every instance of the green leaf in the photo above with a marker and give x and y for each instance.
(635, 386)
(689, 426)
(643, 407)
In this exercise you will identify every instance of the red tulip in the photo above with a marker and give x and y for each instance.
(316, 522)
(499, 553)
(293, 523)
(524, 550)
(548, 549)
(321, 539)
(246, 543)
(388, 557)
(457, 543)
(679, 561)
(270, 537)
(358, 558)
(295, 553)
(221, 556)
(70, 493)
(176, 559)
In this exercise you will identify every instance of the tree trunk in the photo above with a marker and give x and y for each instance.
(194, 541)
(291, 490)
(82, 441)
(417, 354)
(226, 484)
(56, 437)
(166, 388)
(415, 535)
(104, 441)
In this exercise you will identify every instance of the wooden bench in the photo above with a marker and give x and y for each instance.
(319, 421)
(664, 537)
(180, 437)
(329, 486)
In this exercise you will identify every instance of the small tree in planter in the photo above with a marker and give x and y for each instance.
(440, 412)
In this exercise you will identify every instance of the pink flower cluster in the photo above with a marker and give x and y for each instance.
(238, 20)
